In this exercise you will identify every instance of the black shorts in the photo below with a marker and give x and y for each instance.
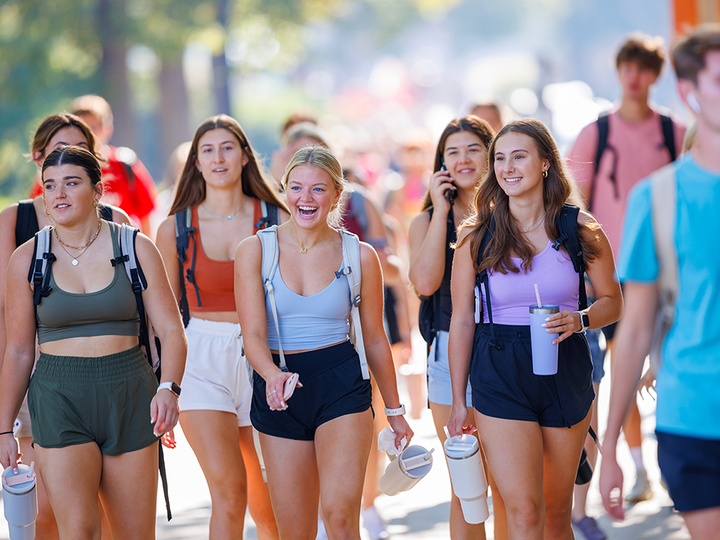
(691, 468)
(332, 387)
(504, 386)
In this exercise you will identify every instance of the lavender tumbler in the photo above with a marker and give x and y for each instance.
(544, 352)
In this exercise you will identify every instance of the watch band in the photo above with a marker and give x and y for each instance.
(584, 322)
(395, 412)
(173, 387)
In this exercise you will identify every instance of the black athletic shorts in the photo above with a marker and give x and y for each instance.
(332, 387)
(504, 385)
(691, 468)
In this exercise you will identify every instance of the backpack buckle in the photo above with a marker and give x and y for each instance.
(356, 301)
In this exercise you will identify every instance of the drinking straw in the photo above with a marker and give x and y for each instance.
(537, 295)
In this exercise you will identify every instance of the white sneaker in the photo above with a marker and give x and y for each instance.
(641, 491)
(374, 524)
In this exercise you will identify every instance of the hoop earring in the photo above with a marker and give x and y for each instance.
(545, 173)
(333, 207)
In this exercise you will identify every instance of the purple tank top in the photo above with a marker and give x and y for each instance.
(512, 294)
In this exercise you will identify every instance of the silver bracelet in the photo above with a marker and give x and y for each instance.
(395, 412)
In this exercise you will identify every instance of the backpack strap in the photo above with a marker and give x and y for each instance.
(26, 223)
(357, 210)
(128, 258)
(266, 214)
(482, 278)
(603, 125)
(663, 198)
(666, 124)
(568, 236)
(352, 271)
(183, 232)
(105, 212)
(41, 265)
(270, 257)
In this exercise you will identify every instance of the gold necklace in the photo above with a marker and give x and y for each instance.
(303, 250)
(84, 248)
(531, 227)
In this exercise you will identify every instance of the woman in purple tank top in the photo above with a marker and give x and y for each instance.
(533, 427)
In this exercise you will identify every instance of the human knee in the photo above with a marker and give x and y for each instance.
(229, 498)
(557, 520)
(525, 514)
(340, 523)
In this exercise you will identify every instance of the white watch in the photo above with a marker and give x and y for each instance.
(584, 322)
(173, 387)
(395, 412)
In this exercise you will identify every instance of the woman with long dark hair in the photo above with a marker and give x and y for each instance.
(533, 427)
(222, 191)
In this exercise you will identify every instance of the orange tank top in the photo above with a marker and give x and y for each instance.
(215, 279)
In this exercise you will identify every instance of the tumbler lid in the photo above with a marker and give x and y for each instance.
(20, 483)
(545, 309)
(461, 446)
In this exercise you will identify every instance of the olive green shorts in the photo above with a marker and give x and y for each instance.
(105, 400)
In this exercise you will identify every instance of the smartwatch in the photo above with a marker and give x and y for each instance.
(395, 412)
(173, 387)
(584, 322)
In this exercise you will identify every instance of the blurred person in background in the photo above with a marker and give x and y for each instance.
(222, 188)
(128, 183)
(638, 141)
(460, 163)
(532, 427)
(688, 426)
(18, 223)
(490, 112)
(164, 199)
(299, 130)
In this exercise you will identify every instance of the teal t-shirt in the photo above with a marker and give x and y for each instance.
(688, 384)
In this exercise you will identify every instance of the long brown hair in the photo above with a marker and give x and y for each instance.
(471, 123)
(491, 202)
(190, 190)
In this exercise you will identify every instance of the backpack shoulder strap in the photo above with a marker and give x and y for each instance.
(267, 213)
(569, 237)
(357, 200)
(353, 273)
(40, 267)
(105, 212)
(270, 256)
(183, 231)
(668, 132)
(603, 125)
(26, 223)
(663, 198)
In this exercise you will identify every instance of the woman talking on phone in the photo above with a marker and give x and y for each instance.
(316, 442)
(532, 427)
(460, 163)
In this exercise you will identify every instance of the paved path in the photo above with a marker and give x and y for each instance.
(421, 513)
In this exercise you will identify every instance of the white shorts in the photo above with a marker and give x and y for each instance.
(438, 373)
(216, 373)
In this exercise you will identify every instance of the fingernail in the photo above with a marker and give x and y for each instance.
(546, 320)
(544, 325)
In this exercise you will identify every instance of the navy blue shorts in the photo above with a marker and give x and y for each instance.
(691, 468)
(504, 385)
(332, 387)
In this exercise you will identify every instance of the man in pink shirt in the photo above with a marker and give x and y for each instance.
(608, 158)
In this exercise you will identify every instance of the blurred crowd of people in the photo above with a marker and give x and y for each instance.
(457, 236)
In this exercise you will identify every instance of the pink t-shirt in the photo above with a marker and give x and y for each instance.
(640, 150)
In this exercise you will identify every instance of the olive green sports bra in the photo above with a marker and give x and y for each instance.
(109, 311)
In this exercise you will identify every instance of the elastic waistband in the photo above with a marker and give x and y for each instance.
(214, 328)
(311, 363)
(508, 333)
(92, 369)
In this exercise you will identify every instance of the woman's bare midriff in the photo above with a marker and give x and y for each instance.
(91, 346)
(216, 316)
(308, 350)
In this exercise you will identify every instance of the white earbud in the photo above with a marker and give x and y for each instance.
(693, 103)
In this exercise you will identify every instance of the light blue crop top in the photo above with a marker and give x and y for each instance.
(309, 322)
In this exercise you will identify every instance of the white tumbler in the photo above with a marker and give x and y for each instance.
(406, 470)
(468, 476)
(20, 502)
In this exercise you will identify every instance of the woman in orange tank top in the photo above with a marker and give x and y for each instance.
(221, 187)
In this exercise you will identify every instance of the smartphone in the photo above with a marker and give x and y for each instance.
(449, 193)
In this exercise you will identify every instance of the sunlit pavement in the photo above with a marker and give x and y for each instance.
(423, 511)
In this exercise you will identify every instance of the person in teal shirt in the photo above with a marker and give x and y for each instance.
(688, 425)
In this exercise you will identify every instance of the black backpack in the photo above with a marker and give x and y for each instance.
(429, 311)
(184, 231)
(603, 123)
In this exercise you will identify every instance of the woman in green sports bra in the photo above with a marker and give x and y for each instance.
(96, 408)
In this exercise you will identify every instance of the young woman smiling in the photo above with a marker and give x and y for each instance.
(316, 443)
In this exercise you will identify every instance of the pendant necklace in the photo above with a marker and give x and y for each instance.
(226, 216)
(303, 250)
(531, 227)
(84, 248)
